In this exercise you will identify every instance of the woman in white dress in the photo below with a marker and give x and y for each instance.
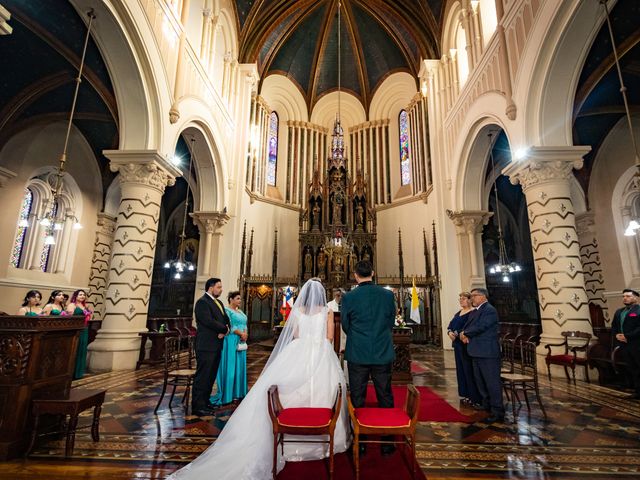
(307, 372)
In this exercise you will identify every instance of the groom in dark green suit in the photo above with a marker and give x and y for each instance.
(368, 317)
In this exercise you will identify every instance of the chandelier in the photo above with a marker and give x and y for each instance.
(504, 268)
(51, 219)
(634, 225)
(179, 265)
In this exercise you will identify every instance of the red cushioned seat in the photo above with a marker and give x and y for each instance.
(305, 417)
(561, 358)
(382, 417)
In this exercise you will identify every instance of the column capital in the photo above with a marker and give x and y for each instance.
(469, 221)
(106, 224)
(211, 221)
(585, 222)
(145, 167)
(545, 165)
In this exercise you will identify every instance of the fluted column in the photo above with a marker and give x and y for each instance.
(99, 273)
(469, 225)
(590, 256)
(210, 225)
(143, 176)
(545, 178)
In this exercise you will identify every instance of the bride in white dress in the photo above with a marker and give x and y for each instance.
(307, 372)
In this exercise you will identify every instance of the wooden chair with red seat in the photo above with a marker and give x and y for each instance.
(570, 358)
(302, 421)
(387, 421)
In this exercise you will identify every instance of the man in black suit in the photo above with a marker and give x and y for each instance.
(368, 317)
(626, 328)
(213, 324)
(480, 333)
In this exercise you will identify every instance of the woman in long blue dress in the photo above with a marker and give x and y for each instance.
(232, 373)
(467, 389)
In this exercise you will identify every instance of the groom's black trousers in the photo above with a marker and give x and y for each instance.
(359, 378)
(206, 370)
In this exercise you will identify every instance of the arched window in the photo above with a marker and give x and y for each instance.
(23, 224)
(272, 160)
(405, 153)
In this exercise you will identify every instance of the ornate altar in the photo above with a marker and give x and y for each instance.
(338, 228)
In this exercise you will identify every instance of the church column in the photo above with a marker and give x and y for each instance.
(98, 275)
(477, 32)
(213, 34)
(174, 113)
(469, 225)
(465, 20)
(590, 256)
(143, 176)
(385, 161)
(209, 261)
(206, 26)
(545, 178)
(305, 163)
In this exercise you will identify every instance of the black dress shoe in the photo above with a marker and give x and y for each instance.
(494, 418)
(477, 406)
(386, 449)
(203, 412)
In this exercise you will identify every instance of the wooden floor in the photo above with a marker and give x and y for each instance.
(592, 432)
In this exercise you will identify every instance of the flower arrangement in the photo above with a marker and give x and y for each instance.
(400, 323)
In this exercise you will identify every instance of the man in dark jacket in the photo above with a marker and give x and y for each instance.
(213, 324)
(368, 317)
(481, 336)
(626, 330)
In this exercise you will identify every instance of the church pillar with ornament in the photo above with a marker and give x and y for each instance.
(469, 225)
(545, 179)
(143, 177)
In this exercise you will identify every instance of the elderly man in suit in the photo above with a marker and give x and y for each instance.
(368, 316)
(213, 324)
(480, 333)
(626, 329)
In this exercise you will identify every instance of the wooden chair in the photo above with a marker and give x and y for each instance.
(387, 421)
(174, 375)
(302, 421)
(524, 378)
(569, 360)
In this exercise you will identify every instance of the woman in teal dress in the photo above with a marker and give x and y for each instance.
(55, 304)
(232, 373)
(77, 306)
(31, 305)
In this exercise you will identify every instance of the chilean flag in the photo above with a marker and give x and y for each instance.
(287, 303)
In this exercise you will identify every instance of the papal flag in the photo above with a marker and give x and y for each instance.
(415, 303)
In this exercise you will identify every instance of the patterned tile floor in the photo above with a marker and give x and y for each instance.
(591, 432)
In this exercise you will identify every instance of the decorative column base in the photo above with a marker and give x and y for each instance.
(117, 350)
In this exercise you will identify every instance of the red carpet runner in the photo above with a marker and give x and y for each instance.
(433, 408)
(373, 466)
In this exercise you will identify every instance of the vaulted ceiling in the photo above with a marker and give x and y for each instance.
(299, 39)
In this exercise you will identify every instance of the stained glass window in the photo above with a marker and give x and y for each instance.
(272, 161)
(18, 244)
(405, 154)
(46, 249)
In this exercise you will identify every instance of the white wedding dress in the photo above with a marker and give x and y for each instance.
(307, 372)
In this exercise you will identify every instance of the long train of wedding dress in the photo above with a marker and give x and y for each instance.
(307, 373)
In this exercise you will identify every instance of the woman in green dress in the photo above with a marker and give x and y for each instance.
(55, 305)
(31, 304)
(232, 373)
(77, 306)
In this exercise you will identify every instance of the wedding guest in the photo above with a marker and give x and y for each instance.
(31, 304)
(334, 306)
(55, 305)
(77, 306)
(232, 372)
(65, 302)
(480, 333)
(467, 389)
(626, 330)
(213, 324)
